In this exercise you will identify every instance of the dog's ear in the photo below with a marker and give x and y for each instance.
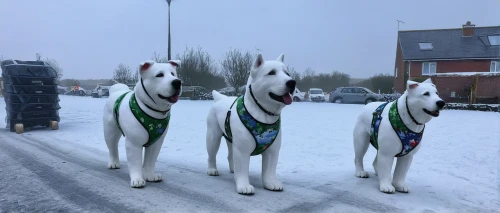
(281, 58)
(429, 80)
(256, 65)
(146, 65)
(175, 63)
(258, 61)
(411, 84)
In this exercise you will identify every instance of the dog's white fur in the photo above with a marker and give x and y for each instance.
(243, 143)
(388, 141)
(136, 135)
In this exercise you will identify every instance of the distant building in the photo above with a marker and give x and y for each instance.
(464, 63)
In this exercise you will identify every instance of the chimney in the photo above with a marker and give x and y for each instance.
(468, 29)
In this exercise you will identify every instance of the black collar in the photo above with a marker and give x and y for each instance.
(261, 107)
(409, 113)
(151, 108)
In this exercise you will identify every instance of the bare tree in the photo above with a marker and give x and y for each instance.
(236, 68)
(293, 73)
(135, 77)
(55, 65)
(159, 59)
(199, 69)
(122, 74)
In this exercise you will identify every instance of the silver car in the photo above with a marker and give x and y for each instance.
(358, 95)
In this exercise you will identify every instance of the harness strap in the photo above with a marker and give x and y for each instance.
(377, 118)
(227, 126)
(116, 110)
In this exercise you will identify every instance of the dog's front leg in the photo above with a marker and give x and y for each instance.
(241, 162)
(269, 163)
(150, 157)
(134, 160)
(384, 167)
(402, 166)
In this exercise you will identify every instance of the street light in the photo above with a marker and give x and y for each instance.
(169, 46)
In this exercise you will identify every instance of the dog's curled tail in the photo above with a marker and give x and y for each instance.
(217, 96)
(117, 88)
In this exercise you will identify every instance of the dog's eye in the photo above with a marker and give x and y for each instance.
(287, 73)
(272, 72)
(427, 94)
(437, 93)
(172, 73)
(159, 75)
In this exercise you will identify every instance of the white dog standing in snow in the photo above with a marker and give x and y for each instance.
(395, 131)
(142, 116)
(251, 124)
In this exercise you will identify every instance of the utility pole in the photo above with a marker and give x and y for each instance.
(169, 43)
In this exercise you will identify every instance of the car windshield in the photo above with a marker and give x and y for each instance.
(316, 91)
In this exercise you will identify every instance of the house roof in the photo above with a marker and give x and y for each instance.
(448, 44)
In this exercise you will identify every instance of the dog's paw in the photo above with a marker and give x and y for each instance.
(213, 172)
(401, 187)
(113, 165)
(153, 177)
(362, 174)
(137, 183)
(273, 185)
(387, 188)
(245, 189)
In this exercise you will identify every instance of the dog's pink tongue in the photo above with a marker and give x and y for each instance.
(174, 98)
(287, 99)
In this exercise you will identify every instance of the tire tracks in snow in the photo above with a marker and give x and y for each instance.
(58, 182)
(295, 198)
(163, 190)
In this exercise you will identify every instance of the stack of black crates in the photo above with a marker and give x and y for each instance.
(31, 95)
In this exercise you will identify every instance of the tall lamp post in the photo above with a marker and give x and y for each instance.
(169, 46)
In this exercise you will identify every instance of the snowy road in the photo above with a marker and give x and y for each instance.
(457, 170)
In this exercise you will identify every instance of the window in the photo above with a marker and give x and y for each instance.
(428, 68)
(396, 73)
(347, 90)
(495, 66)
(425, 46)
(358, 90)
(494, 39)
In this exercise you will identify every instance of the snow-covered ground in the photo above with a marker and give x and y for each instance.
(456, 170)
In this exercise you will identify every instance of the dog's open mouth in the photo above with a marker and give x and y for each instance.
(172, 99)
(433, 113)
(286, 98)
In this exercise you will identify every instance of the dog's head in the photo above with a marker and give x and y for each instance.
(161, 82)
(271, 83)
(424, 97)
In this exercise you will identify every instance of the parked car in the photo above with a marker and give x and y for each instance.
(298, 96)
(316, 95)
(353, 95)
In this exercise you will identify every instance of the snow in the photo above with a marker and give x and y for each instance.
(456, 170)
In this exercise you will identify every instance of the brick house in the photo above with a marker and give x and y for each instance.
(462, 62)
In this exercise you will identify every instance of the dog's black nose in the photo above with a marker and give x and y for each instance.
(176, 84)
(440, 104)
(291, 84)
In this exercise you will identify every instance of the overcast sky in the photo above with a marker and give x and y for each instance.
(89, 38)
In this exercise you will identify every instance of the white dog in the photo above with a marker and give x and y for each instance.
(395, 131)
(142, 116)
(251, 124)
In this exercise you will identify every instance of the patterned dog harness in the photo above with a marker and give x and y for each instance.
(263, 134)
(409, 139)
(155, 127)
